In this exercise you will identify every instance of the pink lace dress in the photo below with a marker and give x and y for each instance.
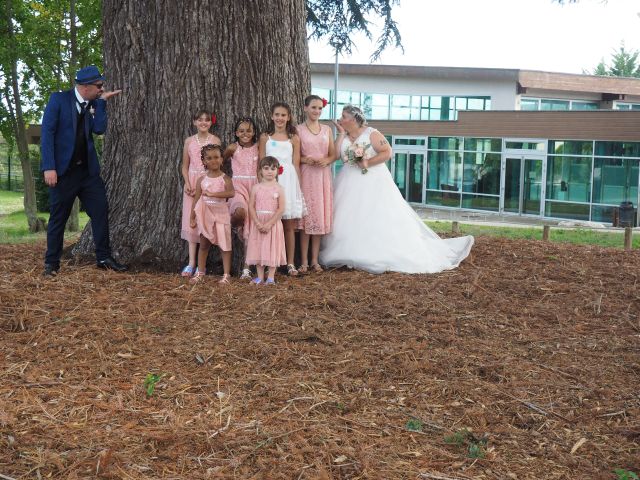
(244, 164)
(316, 181)
(196, 170)
(212, 214)
(266, 249)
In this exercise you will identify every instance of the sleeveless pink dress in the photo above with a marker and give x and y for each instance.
(244, 164)
(212, 214)
(196, 170)
(266, 249)
(315, 181)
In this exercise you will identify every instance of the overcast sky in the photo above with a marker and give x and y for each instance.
(524, 34)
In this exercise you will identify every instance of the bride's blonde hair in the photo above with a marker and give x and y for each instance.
(357, 113)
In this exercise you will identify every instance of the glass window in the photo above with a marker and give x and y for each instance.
(402, 108)
(481, 173)
(569, 178)
(628, 106)
(602, 213)
(618, 149)
(379, 106)
(443, 199)
(529, 104)
(409, 141)
(576, 105)
(483, 144)
(570, 147)
(525, 145)
(615, 180)
(444, 171)
(445, 143)
(546, 104)
(481, 202)
(575, 211)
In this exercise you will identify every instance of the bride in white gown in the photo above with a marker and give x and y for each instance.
(374, 228)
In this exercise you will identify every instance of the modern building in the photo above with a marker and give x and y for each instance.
(513, 142)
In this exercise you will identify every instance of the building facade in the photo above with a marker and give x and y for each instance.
(512, 142)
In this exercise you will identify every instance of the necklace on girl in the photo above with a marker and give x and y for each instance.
(309, 128)
(206, 140)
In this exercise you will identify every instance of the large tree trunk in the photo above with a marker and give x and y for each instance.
(30, 207)
(171, 59)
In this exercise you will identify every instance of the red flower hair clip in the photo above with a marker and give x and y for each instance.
(280, 170)
(324, 102)
(214, 119)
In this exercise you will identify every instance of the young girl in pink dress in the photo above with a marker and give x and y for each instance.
(192, 170)
(282, 142)
(244, 164)
(266, 234)
(317, 153)
(210, 214)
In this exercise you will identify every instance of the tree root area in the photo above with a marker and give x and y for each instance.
(523, 363)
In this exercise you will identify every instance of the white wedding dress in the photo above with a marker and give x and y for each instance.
(376, 230)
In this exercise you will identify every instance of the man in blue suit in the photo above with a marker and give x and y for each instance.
(70, 164)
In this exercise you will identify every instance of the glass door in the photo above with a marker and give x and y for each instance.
(522, 185)
(532, 186)
(399, 171)
(416, 178)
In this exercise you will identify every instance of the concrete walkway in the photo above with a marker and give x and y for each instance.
(495, 219)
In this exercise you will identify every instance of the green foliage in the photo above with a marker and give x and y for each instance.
(337, 21)
(150, 382)
(42, 46)
(623, 474)
(414, 425)
(623, 63)
(476, 447)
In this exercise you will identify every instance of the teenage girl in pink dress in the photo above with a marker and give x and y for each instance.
(317, 153)
(192, 170)
(266, 234)
(210, 213)
(244, 164)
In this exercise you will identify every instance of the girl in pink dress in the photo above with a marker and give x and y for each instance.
(244, 165)
(210, 214)
(266, 233)
(192, 170)
(317, 153)
(281, 141)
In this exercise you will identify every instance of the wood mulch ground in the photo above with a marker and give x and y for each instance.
(521, 364)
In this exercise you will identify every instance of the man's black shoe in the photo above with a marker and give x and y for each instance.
(50, 270)
(110, 264)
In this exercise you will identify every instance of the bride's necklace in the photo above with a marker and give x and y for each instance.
(309, 128)
(355, 135)
(206, 142)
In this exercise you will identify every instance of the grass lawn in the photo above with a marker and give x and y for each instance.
(579, 236)
(10, 202)
(13, 221)
(13, 228)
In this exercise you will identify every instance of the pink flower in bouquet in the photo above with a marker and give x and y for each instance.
(358, 152)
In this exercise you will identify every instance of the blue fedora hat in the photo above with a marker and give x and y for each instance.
(88, 74)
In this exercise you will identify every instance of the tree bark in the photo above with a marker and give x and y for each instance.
(30, 207)
(172, 59)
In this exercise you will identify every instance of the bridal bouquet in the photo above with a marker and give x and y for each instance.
(356, 153)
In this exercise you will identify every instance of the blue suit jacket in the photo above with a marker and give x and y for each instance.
(58, 135)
